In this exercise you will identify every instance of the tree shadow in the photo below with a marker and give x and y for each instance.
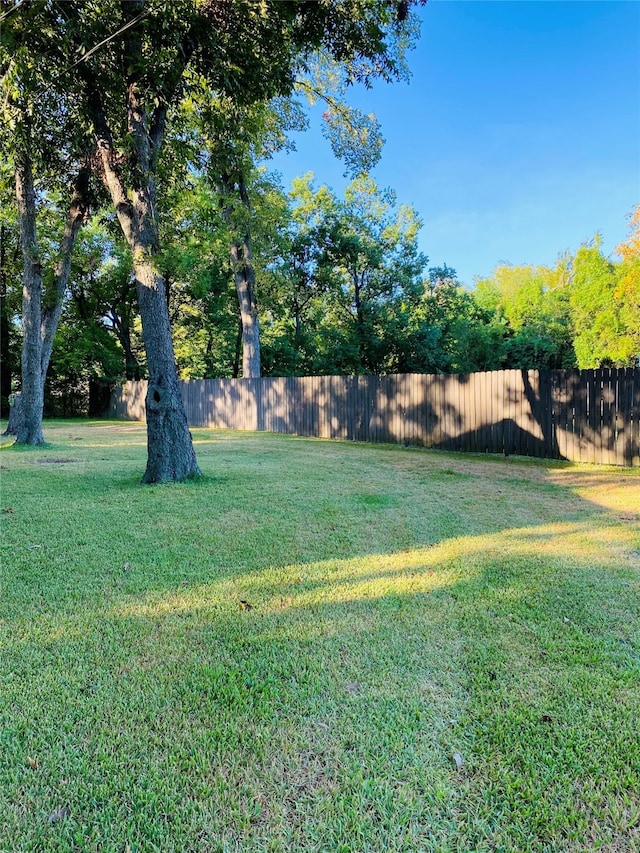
(588, 416)
(335, 701)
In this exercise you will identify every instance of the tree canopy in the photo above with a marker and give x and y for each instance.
(115, 73)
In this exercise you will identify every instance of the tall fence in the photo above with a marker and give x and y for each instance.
(583, 416)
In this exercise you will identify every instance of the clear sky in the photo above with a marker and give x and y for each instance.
(518, 136)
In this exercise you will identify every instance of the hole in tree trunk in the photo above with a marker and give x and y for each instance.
(156, 396)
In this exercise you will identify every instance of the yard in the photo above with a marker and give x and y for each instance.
(320, 646)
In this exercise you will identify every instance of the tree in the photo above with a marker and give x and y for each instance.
(604, 305)
(448, 330)
(49, 152)
(368, 263)
(532, 304)
(9, 296)
(628, 287)
(136, 61)
(203, 302)
(236, 138)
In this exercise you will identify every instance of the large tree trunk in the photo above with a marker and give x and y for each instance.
(170, 453)
(29, 426)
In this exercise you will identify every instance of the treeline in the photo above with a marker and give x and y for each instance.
(340, 287)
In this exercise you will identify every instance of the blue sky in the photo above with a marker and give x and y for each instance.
(518, 136)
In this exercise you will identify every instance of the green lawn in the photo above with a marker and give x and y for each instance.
(435, 652)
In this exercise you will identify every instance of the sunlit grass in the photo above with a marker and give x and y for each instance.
(288, 654)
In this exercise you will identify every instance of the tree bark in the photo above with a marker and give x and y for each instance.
(244, 275)
(29, 426)
(39, 323)
(5, 352)
(15, 414)
(170, 453)
(238, 350)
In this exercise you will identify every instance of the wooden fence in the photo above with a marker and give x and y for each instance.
(583, 416)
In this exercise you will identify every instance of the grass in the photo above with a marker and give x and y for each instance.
(435, 652)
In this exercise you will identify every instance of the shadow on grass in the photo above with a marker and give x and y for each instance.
(236, 688)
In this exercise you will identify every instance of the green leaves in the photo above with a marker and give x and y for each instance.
(606, 331)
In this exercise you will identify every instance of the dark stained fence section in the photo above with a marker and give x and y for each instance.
(584, 416)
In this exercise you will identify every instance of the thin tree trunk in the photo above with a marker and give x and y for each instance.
(29, 425)
(122, 329)
(362, 348)
(244, 277)
(39, 324)
(238, 350)
(5, 352)
(78, 211)
(15, 414)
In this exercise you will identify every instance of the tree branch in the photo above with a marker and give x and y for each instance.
(78, 211)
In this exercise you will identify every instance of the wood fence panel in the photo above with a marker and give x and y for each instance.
(589, 416)
(573, 392)
(426, 413)
(404, 403)
(434, 394)
(364, 418)
(512, 400)
(470, 404)
(634, 417)
(453, 411)
(527, 423)
(560, 413)
(509, 406)
(582, 420)
(622, 406)
(462, 417)
(421, 428)
(600, 445)
(476, 402)
(631, 439)
(487, 419)
(480, 395)
(497, 408)
(546, 419)
(469, 415)
(488, 413)
(483, 392)
(445, 390)
(590, 430)
(607, 424)
(608, 416)
(410, 403)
